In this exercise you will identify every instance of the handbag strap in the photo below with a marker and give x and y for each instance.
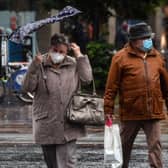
(93, 87)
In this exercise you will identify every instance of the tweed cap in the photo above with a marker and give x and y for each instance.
(140, 30)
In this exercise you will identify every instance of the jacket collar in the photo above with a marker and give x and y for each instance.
(135, 52)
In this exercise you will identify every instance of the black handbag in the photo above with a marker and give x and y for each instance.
(86, 109)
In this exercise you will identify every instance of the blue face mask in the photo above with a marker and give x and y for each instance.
(147, 45)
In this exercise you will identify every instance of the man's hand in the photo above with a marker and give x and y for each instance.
(108, 117)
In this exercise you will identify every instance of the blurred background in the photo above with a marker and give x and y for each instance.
(100, 30)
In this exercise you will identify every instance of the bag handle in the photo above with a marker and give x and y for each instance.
(93, 87)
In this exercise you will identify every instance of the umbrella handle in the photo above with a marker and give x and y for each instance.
(44, 54)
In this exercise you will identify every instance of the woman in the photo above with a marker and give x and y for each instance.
(53, 81)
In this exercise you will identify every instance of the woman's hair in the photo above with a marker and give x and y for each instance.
(58, 39)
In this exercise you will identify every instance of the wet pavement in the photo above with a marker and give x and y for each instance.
(18, 151)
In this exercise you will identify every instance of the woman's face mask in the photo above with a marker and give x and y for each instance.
(56, 57)
(147, 45)
(58, 53)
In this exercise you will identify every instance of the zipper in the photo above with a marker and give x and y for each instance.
(147, 82)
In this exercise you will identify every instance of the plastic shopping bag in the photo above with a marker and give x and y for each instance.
(112, 146)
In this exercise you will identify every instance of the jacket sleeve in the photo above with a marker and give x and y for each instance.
(164, 83)
(31, 79)
(84, 69)
(112, 85)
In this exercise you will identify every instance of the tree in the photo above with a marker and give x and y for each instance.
(94, 10)
(98, 11)
(124, 8)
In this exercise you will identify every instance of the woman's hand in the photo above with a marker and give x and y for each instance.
(39, 58)
(76, 49)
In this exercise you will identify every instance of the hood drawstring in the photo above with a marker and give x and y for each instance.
(44, 76)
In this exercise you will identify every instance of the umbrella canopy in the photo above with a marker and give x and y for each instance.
(19, 35)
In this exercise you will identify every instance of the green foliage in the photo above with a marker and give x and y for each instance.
(100, 55)
(163, 2)
(131, 9)
(125, 9)
(98, 11)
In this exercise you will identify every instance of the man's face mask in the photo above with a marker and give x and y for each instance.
(56, 57)
(147, 45)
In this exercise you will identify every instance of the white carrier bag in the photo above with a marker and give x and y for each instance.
(112, 146)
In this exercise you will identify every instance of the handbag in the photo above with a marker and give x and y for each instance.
(86, 109)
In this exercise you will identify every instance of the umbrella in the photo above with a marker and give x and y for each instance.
(19, 35)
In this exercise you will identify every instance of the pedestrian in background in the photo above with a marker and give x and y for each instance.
(90, 30)
(122, 35)
(137, 72)
(53, 80)
(80, 34)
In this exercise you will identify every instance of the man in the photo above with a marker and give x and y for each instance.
(122, 35)
(137, 72)
(53, 80)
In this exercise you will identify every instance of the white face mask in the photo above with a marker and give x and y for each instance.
(56, 57)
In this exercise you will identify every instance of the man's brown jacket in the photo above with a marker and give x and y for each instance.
(142, 84)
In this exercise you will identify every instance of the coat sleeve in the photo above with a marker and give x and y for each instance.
(112, 85)
(84, 69)
(164, 82)
(31, 79)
